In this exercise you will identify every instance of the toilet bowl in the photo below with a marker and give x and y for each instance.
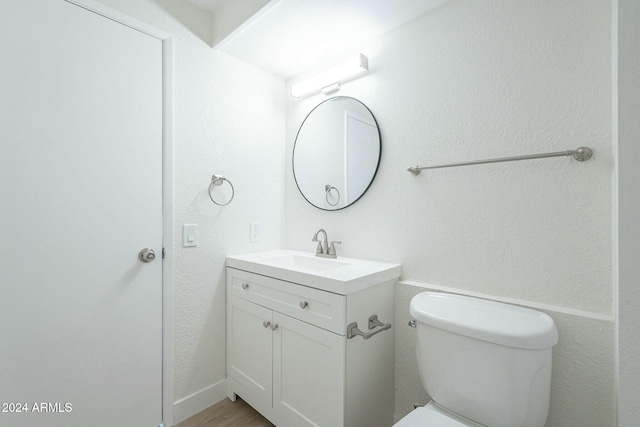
(483, 363)
(433, 416)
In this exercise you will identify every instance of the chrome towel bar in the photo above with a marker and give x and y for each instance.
(581, 154)
(353, 330)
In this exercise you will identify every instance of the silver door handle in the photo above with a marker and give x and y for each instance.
(147, 255)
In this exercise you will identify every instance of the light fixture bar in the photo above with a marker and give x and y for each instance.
(331, 88)
(341, 73)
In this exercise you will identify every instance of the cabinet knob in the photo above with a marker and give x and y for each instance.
(304, 304)
(274, 326)
(245, 286)
(266, 323)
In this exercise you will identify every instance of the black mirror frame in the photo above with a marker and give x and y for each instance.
(375, 173)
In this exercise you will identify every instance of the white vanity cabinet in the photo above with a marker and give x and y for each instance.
(289, 357)
(283, 364)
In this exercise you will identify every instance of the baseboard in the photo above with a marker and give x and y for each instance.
(199, 401)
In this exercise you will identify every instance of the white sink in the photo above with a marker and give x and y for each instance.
(340, 275)
(304, 262)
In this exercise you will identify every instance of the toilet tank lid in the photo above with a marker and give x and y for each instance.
(490, 321)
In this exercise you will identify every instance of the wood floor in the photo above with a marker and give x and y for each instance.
(227, 414)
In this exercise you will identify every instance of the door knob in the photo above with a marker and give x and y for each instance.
(147, 255)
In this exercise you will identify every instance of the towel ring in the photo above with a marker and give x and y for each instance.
(219, 180)
(327, 189)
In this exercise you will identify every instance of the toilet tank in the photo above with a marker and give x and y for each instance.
(486, 361)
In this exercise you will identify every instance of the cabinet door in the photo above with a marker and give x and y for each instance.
(308, 373)
(249, 347)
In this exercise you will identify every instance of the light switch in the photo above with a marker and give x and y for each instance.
(189, 235)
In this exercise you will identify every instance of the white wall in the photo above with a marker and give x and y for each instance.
(481, 79)
(627, 107)
(228, 119)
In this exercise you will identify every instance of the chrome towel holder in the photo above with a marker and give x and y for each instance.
(219, 180)
(581, 154)
(354, 331)
(327, 189)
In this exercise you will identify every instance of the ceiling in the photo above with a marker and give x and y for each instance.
(210, 5)
(290, 37)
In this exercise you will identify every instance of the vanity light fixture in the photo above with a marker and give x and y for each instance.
(329, 80)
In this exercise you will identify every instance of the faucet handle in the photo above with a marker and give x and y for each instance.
(319, 249)
(332, 248)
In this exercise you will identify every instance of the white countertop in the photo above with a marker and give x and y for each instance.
(340, 275)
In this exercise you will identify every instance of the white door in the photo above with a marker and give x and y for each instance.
(80, 196)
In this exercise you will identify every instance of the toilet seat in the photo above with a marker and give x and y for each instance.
(433, 416)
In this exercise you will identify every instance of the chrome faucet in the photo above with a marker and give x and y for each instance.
(323, 249)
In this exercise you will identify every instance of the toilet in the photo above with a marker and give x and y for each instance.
(483, 363)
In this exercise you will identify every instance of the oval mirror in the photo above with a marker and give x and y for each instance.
(336, 153)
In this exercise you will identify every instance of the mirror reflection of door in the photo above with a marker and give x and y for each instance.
(337, 153)
(362, 150)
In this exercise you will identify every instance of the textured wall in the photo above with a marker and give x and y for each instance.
(474, 80)
(228, 119)
(481, 79)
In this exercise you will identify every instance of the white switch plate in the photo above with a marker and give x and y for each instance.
(254, 231)
(189, 235)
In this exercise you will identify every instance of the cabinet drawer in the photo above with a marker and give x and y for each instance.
(320, 308)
